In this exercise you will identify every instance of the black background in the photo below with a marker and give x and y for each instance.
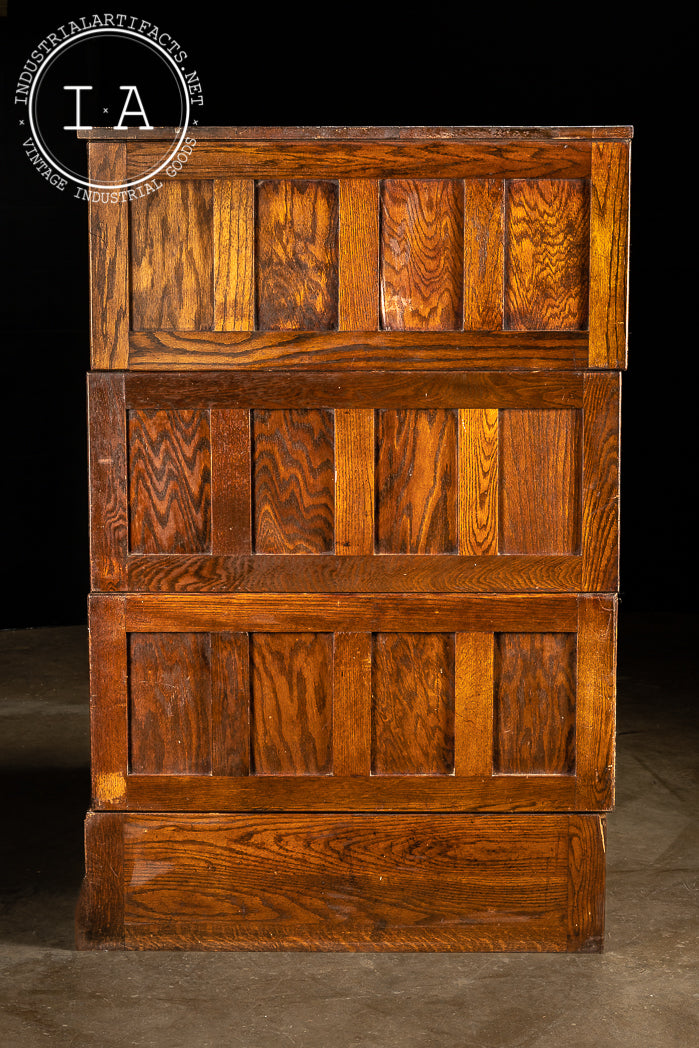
(430, 64)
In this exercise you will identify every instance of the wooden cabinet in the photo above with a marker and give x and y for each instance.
(354, 421)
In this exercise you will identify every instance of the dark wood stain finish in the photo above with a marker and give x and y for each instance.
(294, 481)
(535, 687)
(354, 483)
(169, 481)
(292, 684)
(413, 704)
(416, 481)
(297, 255)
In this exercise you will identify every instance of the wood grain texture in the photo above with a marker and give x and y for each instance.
(370, 389)
(420, 160)
(409, 573)
(535, 693)
(292, 685)
(540, 481)
(169, 481)
(231, 481)
(596, 703)
(358, 306)
(474, 698)
(354, 481)
(416, 481)
(478, 481)
(304, 612)
(172, 257)
(109, 260)
(109, 510)
(169, 703)
(109, 715)
(343, 882)
(230, 704)
(609, 249)
(547, 255)
(293, 481)
(368, 793)
(402, 351)
(412, 704)
(374, 133)
(600, 480)
(422, 255)
(586, 882)
(484, 244)
(99, 918)
(297, 255)
(352, 704)
(234, 254)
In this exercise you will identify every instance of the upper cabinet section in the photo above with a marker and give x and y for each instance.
(422, 249)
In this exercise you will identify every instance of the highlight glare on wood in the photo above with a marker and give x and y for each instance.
(478, 481)
(234, 254)
(473, 722)
(609, 248)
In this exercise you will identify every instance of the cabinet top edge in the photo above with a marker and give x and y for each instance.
(368, 133)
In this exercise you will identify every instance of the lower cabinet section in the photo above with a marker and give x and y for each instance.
(315, 881)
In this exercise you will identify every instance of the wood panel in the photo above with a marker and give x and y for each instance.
(535, 687)
(231, 481)
(169, 481)
(547, 255)
(600, 472)
(303, 612)
(352, 704)
(169, 703)
(420, 160)
(354, 481)
(109, 259)
(609, 248)
(413, 704)
(402, 351)
(297, 255)
(314, 389)
(416, 481)
(422, 279)
(596, 696)
(230, 704)
(172, 257)
(484, 240)
(474, 698)
(292, 684)
(109, 510)
(293, 481)
(478, 481)
(358, 308)
(408, 573)
(234, 254)
(540, 470)
(109, 716)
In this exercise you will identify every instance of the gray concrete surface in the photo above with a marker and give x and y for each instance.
(643, 992)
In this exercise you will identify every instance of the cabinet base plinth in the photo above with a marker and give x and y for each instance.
(364, 882)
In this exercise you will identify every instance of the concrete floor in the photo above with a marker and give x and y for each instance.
(643, 991)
